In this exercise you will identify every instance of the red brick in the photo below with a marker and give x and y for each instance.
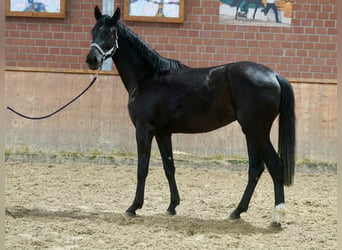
(316, 23)
(55, 51)
(315, 8)
(300, 15)
(274, 60)
(306, 22)
(58, 35)
(331, 62)
(297, 60)
(219, 42)
(205, 18)
(41, 43)
(30, 42)
(47, 35)
(244, 51)
(208, 42)
(308, 46)
(306, 75)
(22, 64)
(319, 46)
(219, 58)
(267, 51)
(329, 23)
(311, 15)
(315, 68)
(198, 11)
(43, 50)
(331, 46)
(210, 50)
(327, 8)
(332, 32)
(200, 40)
(191, 48)
(313, 53)
(298, 45)
(197, 41)
(323, 16)
(313, 38)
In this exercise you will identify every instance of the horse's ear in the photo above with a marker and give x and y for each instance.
(117, 15)
(97, 13)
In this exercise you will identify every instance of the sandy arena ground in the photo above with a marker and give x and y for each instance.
(81, 206)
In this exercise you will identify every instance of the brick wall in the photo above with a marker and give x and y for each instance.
(307, 49)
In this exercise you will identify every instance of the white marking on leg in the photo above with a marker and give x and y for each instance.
(278, 210)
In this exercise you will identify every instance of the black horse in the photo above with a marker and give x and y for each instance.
(166, 97)
(238, 4)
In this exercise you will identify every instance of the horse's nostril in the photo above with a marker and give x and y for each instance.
(90, 59)
(92, 62)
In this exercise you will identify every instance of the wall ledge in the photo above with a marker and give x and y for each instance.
(115, 72)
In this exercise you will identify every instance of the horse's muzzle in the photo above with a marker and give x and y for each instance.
(93, 61)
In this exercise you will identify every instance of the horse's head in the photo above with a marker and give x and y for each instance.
(105, 38)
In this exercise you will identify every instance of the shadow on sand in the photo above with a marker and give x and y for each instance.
(183, 224)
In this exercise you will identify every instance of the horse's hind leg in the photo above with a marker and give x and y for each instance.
(273, 163)
(256, 124)
(237, 9)
(262, 149)
(274, 166)
(255, 10)
(165, 148)
(256, 168)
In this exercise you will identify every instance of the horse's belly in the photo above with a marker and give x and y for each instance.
(200, 124)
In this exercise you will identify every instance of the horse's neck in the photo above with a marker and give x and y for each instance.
(131, 67)
(136, 61)
(129, 58)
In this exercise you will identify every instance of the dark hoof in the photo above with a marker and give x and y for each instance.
(171, 212)
(130, 214)
(275, 225)
(234, 216)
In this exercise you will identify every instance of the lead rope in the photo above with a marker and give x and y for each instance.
(61, 108)
(104, 56)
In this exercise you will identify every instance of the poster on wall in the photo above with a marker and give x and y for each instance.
(256, 12)
(169, 11)
(36, 8)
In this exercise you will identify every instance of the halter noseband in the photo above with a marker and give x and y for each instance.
(109, 53)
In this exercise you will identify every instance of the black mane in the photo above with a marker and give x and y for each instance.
(158, 63)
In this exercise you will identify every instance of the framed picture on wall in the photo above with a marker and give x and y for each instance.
(276, 13)
(166, 11)
(36, 8)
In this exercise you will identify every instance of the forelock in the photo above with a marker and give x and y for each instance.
(103, 22)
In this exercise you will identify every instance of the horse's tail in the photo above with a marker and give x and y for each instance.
(287, 130)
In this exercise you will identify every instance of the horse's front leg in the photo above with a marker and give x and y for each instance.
(165, 148)
(144, 140)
